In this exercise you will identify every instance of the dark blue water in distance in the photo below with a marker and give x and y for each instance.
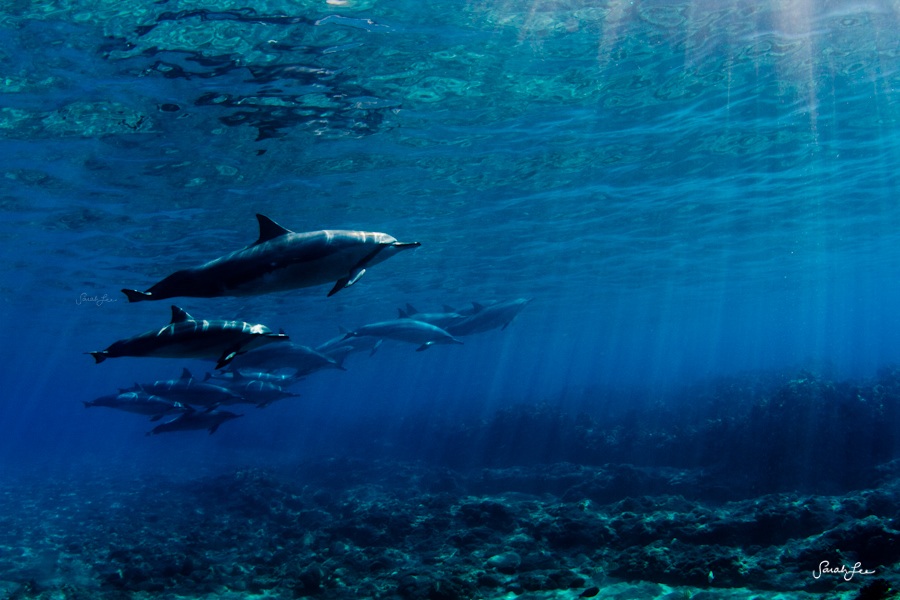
(700, 200)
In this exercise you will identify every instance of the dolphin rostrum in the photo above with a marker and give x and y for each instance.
(280, 260)
(186, 337)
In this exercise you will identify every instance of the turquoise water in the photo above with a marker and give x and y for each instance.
(686, 191)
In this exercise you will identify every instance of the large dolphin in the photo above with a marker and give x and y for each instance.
(139, 402)
(280, 260)
(406, 330)
(186, 337)
(195, 419)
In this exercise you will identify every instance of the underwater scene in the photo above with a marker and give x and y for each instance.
(358, 299)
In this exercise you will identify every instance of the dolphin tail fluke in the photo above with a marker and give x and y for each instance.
(99, 357)
(137, 296)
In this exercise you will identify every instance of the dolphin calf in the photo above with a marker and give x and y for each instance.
(139, 402)
(280, 260)
(207, 419)
(186, 337)
(406, 330)
(484, 318)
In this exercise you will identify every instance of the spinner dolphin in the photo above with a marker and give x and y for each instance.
(187, 337)
(280, 260)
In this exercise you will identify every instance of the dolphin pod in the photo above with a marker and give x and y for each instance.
(280, 260)
(261, 375)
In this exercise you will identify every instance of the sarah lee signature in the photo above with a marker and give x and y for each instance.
(846, 572)
(98, 300)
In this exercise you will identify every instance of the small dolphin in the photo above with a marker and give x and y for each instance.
(253, 391)
(484, 318)
(280, 260)
(231, 374)
(190, 391)
(340, 347)
(442, 319)
(406, 330)
(207, 419)
(186, 337)
(302, 359)
(139, 402)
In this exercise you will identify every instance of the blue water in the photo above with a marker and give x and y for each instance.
(687, 191)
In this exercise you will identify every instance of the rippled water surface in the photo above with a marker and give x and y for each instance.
(684, 189)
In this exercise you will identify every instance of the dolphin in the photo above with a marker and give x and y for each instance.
(406, 330)
(340, 347)
(280, 260)
(186, 337)
(190, 391)
(207, 419)
(253, 391)
(139, 402)
(442, 319)
(231, 374)
(484, 318)
(302, 359)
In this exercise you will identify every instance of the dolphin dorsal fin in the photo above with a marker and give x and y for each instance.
(185, 374)
(269, 229)
(402, 314)
(179, 315)
(410, 309)
(477, 307)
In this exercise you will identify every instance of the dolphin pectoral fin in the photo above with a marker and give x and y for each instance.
(228, 356)
(137, 296)
(213, 429)
(99, 357)
(355, 277)
(424, 347)
(345, 282)
(338, 286)
(376, 347)
(156, 417)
